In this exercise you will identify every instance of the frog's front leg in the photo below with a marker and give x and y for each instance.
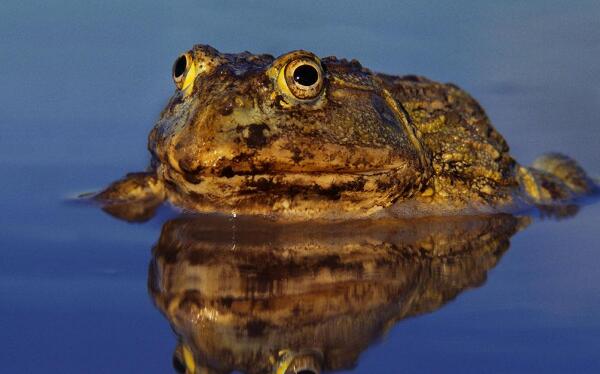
(133, 198)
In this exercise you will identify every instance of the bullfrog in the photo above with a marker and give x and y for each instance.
(301, 137)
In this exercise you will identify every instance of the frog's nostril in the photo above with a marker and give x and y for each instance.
(189, 167)
(191, 171)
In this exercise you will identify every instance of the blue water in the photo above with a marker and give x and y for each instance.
(82, 84)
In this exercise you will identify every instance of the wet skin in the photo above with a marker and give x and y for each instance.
(300, 137)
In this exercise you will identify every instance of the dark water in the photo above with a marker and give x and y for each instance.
(81, 87)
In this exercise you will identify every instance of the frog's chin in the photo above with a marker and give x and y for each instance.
(293, 194)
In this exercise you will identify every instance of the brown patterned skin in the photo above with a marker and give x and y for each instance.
(236, 137)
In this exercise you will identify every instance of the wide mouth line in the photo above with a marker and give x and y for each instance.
(229, 172)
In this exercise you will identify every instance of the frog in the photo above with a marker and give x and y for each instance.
(301, 137)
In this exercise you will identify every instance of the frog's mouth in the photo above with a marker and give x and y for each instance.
(255, 171)
(265, 191)
(252, 177)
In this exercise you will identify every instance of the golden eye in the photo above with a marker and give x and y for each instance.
(304, 78)
(184, 71)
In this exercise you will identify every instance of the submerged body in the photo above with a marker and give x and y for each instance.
(301, 137)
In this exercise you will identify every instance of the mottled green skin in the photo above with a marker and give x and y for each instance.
(368, 145)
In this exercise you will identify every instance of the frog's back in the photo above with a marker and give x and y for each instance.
(472, 169)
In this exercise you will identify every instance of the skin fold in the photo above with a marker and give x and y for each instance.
(299, 137)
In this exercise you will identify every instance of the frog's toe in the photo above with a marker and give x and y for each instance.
(133, 187)
(134, 198)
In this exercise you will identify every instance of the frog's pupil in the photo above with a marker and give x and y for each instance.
(179, 67)
(306, 75)
(178, 365)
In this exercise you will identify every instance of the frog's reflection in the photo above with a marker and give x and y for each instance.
(257, 296)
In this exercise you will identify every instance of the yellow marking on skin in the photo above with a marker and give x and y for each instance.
(174, 163)
(284, 104)
(188, 357)
(486, 189)
(428, 192)
(173, 305)
(529, 183)
(433, 125)
(190, 77)
(453, 157)
(283, 365)
(354, 86)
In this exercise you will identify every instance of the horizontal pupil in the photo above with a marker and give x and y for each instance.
(306, 75)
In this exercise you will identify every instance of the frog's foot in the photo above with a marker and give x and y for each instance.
(555, 180)
(567, 171)
(134, 198)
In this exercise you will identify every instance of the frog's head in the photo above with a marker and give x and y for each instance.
(295, 133)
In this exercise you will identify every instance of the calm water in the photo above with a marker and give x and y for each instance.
(82, 85)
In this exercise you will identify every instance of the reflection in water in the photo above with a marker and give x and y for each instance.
(259, 296)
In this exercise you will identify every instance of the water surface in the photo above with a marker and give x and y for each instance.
(83, 83)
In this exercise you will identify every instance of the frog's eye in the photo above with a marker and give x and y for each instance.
(180, 67)
(184, 71)
(304, 78)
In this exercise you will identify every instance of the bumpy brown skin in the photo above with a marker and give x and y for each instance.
(237, 140)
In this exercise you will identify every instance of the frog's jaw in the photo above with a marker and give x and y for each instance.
(291, 195)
